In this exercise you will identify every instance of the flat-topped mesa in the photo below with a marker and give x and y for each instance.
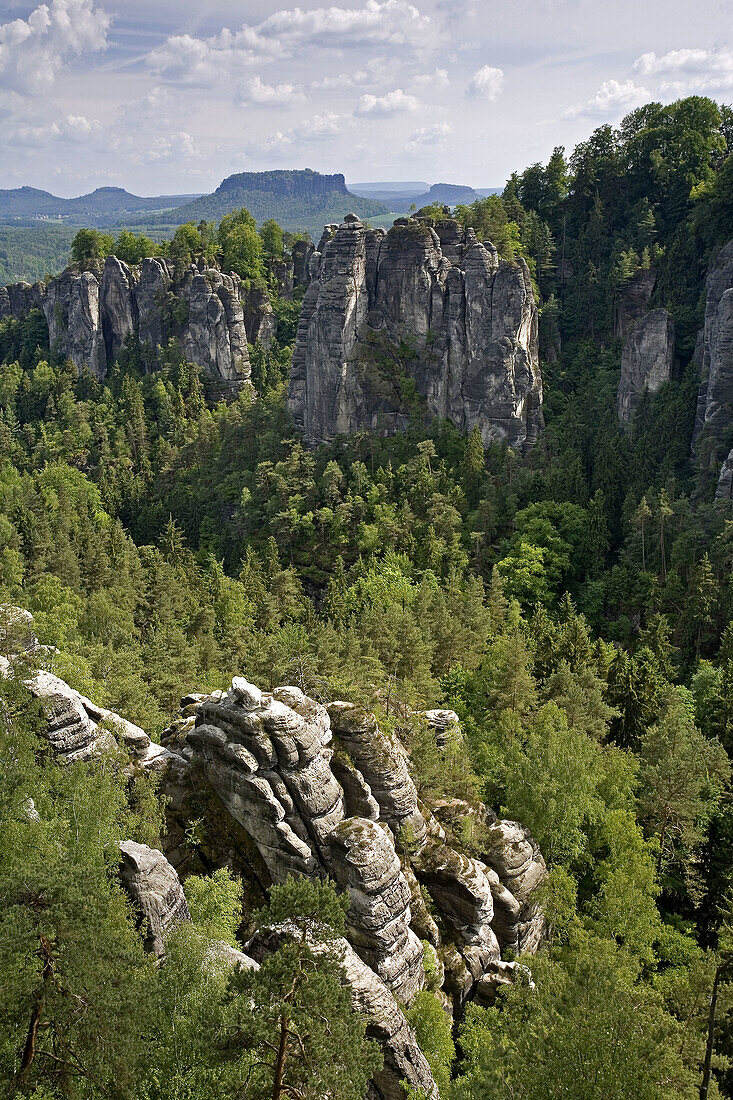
(424, 307)
(93, 313)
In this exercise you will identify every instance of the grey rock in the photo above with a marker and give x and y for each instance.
(365, 865)
(72, 310)
(301, 253)
(515, 857)
(470, 320)
(443, 722)
(17, 632)
(724, 488)
(382, 761)
(386, 1023)
(633, 301)
(261, 322)
(714, 421)
(646, 361)
(92, 314)
(155, 890)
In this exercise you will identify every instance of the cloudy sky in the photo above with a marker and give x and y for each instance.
(173, 95)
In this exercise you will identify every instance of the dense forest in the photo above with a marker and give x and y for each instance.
(573, 604)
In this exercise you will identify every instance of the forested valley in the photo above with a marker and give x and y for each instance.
(571, 601)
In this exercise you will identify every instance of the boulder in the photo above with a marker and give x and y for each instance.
(514, 855)
(155, 890)
(646, 361)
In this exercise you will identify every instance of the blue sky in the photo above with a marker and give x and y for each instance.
(171, 96)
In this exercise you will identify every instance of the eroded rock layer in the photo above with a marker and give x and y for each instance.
(92, 314)
(646, 361)
(421, 307)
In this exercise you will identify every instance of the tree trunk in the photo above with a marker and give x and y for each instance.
(277, 1084)
(707, 1064)
(29, 1050)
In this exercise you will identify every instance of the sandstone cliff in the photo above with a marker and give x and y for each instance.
(713, 436)
(646, 360)
(92, 314)
(422, 313)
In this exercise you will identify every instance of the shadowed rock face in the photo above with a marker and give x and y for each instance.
(469, 319)
(647, 360)
(715, 351)
(92, 314)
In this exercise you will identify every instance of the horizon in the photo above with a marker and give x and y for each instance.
(172, 98)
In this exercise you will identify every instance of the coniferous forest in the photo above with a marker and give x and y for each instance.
(571, 601)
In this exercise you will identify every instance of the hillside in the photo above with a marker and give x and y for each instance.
(400, 198)
(101, 207)
(299, 200)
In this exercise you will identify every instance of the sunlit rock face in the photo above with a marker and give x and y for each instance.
(423, 316)
(94, 315)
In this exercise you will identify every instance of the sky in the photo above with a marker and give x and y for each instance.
(171, 96)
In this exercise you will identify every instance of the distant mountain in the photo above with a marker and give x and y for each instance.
(413, 186)
(401, 196)
(104, 207)
(298, 200)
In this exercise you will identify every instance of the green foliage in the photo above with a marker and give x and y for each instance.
(433, 1028)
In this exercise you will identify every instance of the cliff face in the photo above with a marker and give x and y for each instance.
(714, 424)
(91, 314)
(415, 307)
(646, 361)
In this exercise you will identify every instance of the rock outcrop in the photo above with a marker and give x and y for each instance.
(423, 309)
(633, 301)
(646, 361)
(92, 314)
(724, 488)
(714, 421)
(155, 890)
(326, 792)
(386, 1023)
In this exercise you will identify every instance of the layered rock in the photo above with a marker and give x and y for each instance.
(715, 353)
(386, 1023)
(514, 856)
(646, 361)
(156, 893)
(436, 308)
(724, 488)
(155, 890)
(93, 314)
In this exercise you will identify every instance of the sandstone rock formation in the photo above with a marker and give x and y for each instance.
(156, 891)
(386, 1023)
(724, 489)
(326, 792)
(715, 353)
(92, 314)
(646, 361)
(633, 301)
(425, 306)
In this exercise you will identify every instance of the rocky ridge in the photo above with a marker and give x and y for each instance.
(92, 313)
(323, 792)
(425, 307)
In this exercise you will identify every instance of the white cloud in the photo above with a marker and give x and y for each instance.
(486, 83)
(314, 130)
(391, 103)
(427, 137)
(76, 129)
(286, 33)
(34, 50)
(436, 79)
(269, 95)
(342, 80)
(610, 100)
(689, 69)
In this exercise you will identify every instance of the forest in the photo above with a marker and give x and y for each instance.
(572, 603)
